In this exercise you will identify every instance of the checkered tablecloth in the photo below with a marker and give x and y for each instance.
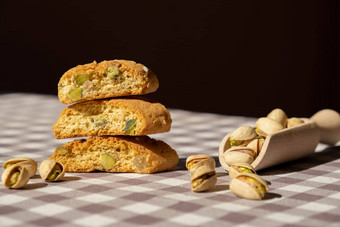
(302, 193)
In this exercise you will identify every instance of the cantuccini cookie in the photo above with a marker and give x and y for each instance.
(140, 154)
(128, 116)
(106, 79)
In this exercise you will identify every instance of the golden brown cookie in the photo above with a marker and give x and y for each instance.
(112, 117)
(104, 80)
(139, 154)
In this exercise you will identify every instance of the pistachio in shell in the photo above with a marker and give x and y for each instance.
(294, 121)
(15, 176)
(203, 179)
(194, 161)
(248, 186)
(239, 168)
(266, 126)
(239, 155)
(242, 136)
(28, 163)
(278, 115)
(256, 145)
(51, 170)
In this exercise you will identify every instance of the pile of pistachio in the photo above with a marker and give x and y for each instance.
(203, 174)
(245, 144)
(18, 171)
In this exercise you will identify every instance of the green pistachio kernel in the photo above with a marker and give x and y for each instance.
(130, 126)
(54, 173)
(200, 180)
(8, 165)
(235, 142)
(14, 178)
(244, 170)
(75, 94)
(82, 78)
(190, 165)
(107, 161)
(112, 71)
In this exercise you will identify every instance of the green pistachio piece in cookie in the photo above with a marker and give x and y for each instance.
(82, 78)
(75, 94)
(107, 161)
(130, 126)
(112, 71)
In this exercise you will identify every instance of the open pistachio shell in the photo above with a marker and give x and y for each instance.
(239, 168)
(266, 126)
(203, 179)
(294, 121)
(28, 163)
(239, 155)
(194, 161)
(51, 170)
(15, 176)
(242, 135)
(279, 116)
(256, 145)
(248, 186)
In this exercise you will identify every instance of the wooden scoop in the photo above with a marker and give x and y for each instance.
(293, 143)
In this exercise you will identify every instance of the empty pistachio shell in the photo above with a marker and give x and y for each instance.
(239, 155)
(266, 126)
(294, 122)
(194, 161)
(51, 170)
(238, 168)
(203, 179)
(28, 163)
(242, 136)
(15, 176)
(248, 186)
(279, 116)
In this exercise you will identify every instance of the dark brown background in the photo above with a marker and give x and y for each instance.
(230, 57)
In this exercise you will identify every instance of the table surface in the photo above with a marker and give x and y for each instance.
(305, 192)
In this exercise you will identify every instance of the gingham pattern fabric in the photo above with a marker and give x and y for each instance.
(302, 193)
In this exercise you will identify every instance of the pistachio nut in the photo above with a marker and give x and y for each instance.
(239, 155)
(194, 161)
(15, 176)
(279, 116)
(75, 94)
(107, 161)
(203, 179)
(294, 121)
(256, 145)
(239, 168)
(51, 170)
(248, 186)
(112, 71)
(28, 163)
(266, 126)
(242, 136)
(82, 78)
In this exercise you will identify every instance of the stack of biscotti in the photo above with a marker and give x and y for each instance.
(105, 109)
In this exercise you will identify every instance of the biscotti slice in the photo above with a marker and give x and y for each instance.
(128, 116)
(105, 80)
(139, 154)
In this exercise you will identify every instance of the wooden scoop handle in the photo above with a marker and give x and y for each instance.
(328, 121)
